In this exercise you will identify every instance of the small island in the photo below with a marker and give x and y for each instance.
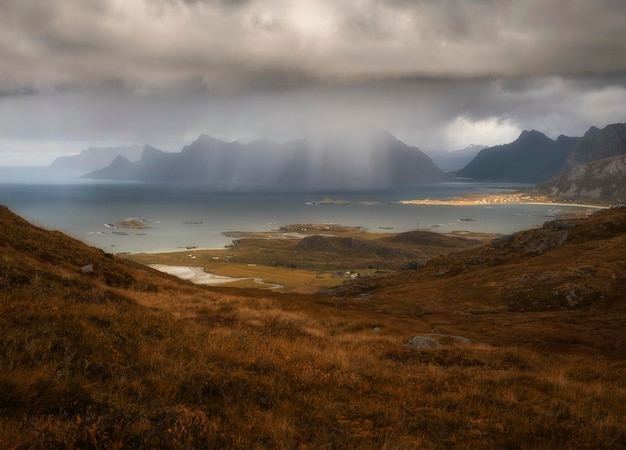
(337, 202)
(135, 224)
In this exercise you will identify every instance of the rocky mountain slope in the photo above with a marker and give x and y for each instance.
(601, 180)
(597, 144)
(530, 158)
(370, 159)
(594, 169)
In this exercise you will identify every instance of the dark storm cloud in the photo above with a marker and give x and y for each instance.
(52, 42)
(436, 73)
(226, 3)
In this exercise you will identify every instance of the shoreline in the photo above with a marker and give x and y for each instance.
(502, 198)
(195, 274)
(173, 250)
(477, 203)
(477, 200)
(516, 198)
(200, 276)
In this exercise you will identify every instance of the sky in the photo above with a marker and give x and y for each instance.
(438, 74)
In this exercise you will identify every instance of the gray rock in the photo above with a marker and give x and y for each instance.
(87, 269)
(420, 342)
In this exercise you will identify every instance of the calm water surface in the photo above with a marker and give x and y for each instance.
(83, 208)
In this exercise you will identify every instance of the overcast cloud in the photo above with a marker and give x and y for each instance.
(438, 74)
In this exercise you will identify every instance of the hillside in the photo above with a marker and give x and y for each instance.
(98, 352)
(349, 251)
(369, 159)
(595, 168)
(572, 269)
(600, 180)
(530, 158)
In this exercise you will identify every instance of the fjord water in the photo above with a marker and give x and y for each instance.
(185, 217)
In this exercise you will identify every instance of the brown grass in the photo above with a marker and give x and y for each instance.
(151, 362)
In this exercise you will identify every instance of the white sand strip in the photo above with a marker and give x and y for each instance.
(196, 275)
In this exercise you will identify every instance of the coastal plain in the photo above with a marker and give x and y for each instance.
(305, 258)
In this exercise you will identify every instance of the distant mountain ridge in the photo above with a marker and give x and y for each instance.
(95, 158)
(370, 159)
(456, 159)
(532, 157)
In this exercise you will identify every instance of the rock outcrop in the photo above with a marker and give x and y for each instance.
(603, 180)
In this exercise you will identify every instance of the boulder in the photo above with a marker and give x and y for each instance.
(421, 342)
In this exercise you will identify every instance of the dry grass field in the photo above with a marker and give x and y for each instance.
(100, 352)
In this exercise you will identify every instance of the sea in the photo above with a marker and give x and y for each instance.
(183, 217)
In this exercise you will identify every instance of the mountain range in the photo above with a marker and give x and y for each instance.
(94, 158)
(588, 168)
(368, 159)
(371, 158)
(532, 157)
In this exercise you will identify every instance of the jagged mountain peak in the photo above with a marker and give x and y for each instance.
(598, 144)
(205, 138)
(531, 134)
(563, 137)
(150, 152)
(592, 131)
(120, 161)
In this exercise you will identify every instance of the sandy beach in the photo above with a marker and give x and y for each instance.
(196, 275)
(498, 199)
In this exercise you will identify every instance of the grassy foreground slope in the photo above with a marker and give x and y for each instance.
(560, 287)
(124, 357)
